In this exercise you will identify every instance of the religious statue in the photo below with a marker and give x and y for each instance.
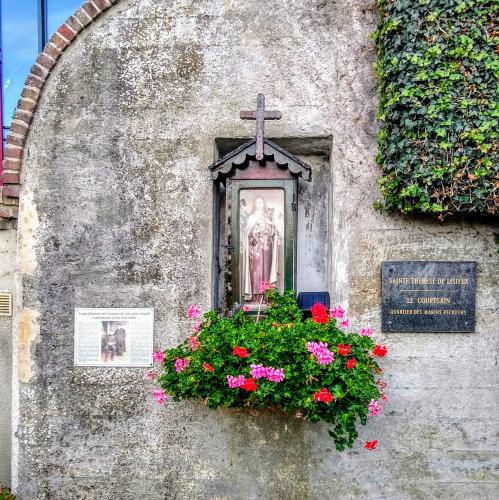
(256, 196)
(259, 250)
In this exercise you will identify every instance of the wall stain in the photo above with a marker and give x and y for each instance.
(29, 332)
(29, 224)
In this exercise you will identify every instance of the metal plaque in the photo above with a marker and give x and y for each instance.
(428, 296)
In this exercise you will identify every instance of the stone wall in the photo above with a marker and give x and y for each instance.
(7, 265)
(116, 212)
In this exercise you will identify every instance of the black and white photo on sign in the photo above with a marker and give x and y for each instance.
(114, 342)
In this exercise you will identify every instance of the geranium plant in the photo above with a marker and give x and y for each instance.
(5, 493)
(313, 368)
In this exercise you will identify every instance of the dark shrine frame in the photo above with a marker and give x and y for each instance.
(258, 164)
(290, 222)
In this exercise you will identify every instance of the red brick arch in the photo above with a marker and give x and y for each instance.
(30, 97)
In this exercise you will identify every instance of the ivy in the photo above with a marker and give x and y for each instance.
(438, 71)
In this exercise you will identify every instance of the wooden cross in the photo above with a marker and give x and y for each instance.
(260, 115)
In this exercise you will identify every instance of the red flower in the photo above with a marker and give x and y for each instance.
(344, 349)
(351, 363)
(323, 395)
(208, 367)
(241, 352)
(319, 313)
(249, 385)
(380, 350)
(371, 445)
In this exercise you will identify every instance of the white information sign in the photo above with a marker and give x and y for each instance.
(113, 337)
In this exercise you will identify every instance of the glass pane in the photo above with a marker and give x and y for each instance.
(261, 227)
(19, 50)
(58, 11)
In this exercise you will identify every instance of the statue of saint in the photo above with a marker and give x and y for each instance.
(259, 251)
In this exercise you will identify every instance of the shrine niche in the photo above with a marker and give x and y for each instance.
(258, 185)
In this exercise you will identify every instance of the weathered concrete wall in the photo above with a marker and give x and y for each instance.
(7, 265)
(116, 212)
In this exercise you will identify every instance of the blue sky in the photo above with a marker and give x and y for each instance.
(20, 42)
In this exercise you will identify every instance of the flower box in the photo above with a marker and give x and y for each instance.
(315, 369)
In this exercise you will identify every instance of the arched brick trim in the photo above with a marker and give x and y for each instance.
(30, 96)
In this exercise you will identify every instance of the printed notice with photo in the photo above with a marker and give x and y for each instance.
(113, 337)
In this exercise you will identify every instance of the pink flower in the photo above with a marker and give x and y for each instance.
(345, 323)
(336, 312)
(275, 374)
(374, 408)
(246, 308)
(264, 286)
(235, 382)
(193, 311)
(366, 331)
(181, 364)
(258, 371)
(268, 372)
(159, 395)
(321, 352)
(197, 326)
(194, 343)
(158, 356)
(150, 375)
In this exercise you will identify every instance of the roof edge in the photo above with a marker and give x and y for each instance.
(220, 166)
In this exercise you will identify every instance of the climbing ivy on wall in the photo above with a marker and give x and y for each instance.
(438, 70)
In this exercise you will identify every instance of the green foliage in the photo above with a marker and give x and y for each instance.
(438, 71)
(6, 494)
(278, 340)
